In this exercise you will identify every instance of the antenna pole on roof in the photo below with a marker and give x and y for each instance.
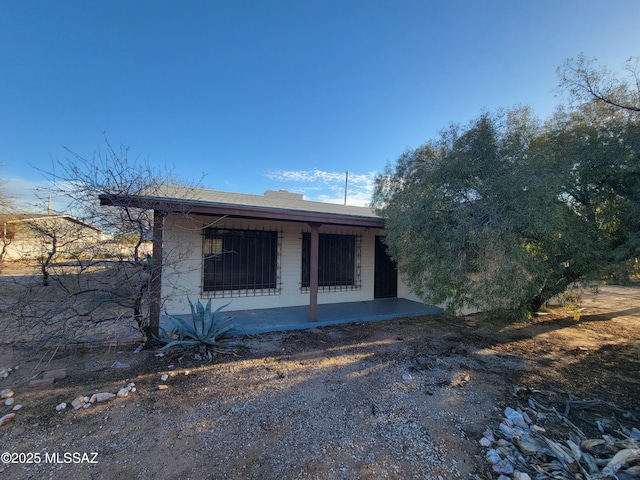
(346, 186)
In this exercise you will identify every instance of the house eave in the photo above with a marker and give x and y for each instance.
(195, 207)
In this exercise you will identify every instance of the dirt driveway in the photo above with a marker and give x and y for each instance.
(400, 399)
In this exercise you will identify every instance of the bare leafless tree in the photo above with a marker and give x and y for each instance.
(585, 81)
(88, 283)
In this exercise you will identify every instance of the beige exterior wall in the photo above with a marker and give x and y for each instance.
(183, 268)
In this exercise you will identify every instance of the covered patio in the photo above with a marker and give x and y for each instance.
(265, 320)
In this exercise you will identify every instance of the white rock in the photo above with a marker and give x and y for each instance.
(510, 432)
(123, 392)
(17, 407)
(86, 399)
(492, 456)
(520, 476)
(86, 405)
(164, 377)
(489, 434)
(515, 417)
(485, 442)
(77, 402)
(406, 376)
(503, 467)
(9, 401)
(6, 393)
(101, 397)
(61, 406)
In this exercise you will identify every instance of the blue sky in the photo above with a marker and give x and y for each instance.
(272, 94)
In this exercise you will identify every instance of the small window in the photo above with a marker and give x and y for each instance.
(240, 260)
(338, 260)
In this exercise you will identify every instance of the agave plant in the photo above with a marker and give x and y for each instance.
(205, 330)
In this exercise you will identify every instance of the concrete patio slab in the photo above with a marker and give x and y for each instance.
(265, 320)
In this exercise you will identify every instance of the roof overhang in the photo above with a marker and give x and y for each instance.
(196, 207)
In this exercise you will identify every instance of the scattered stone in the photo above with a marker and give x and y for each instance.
(163, 387)
(77, 402)
(164, 377)
(9, 401)
(41, 382)
(407, 376)
(138, 349)
(7, 418)
(86, 399)
(86, 405)
(489, 434)
(485, 442)
(515, 417)
(187, 372)
(520, 476)
(6, 393)
(61, 406)
(4, 372)
(17, 407)
(492, 456)
(524, 444)
(101, 397)
(123, 392)
(57, 374)
(503, 467)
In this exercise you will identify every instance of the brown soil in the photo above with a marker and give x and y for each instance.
(400, 399)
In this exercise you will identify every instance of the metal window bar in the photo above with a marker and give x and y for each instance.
(339, 265)
(241, 262)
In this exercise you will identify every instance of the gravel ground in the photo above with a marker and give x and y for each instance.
(401, 399)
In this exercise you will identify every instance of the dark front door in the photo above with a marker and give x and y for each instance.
(385, 284)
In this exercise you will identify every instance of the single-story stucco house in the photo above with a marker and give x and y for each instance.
(28, 235)
(264, 252)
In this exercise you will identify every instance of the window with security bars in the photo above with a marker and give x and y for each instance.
(338, 261)
(240, 260)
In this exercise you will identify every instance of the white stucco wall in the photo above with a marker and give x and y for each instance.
(183, 269)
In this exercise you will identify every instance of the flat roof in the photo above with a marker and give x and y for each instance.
(273, 205)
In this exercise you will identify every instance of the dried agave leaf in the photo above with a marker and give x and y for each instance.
(575, 450)
(591, 463)
(559, 451)
(597, 446)
(529, 446)
(620, 460)
(626, 443)
(631, 472)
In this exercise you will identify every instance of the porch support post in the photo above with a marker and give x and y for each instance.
(156, 274)
(313, 271)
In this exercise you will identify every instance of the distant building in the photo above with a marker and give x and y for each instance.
(29, 236)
